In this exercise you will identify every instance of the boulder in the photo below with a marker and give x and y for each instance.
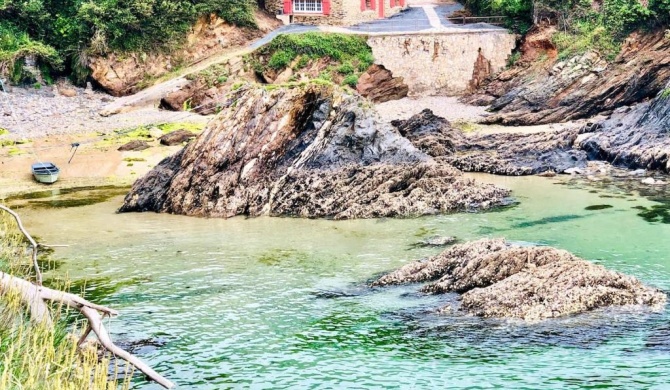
(135, 145)
(176, 137)
(499, 279)
(379, 85)
(308, 151)
(67, 92)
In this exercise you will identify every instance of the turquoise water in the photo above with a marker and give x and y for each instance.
(280, 303)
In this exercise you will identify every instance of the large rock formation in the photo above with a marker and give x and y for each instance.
(498, 279)
(637, 137)
(308, 151)
(582, 86)
(504, 153)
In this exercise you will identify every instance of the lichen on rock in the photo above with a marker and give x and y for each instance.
(499, 279)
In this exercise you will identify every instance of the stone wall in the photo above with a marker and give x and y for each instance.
(443, 63)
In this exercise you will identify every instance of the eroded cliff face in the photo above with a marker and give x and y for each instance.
(548, 91)
(499, 279)
(443, 64)
(124, 73)
(310, 151)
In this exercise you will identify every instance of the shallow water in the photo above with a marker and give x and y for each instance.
(280, 303)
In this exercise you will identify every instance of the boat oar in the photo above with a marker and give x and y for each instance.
(74, 146)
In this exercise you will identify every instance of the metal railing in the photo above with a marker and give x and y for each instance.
(494, 20)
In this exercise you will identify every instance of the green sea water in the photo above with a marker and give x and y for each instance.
(281, 303)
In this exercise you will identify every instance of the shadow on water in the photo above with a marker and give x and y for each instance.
(66, 197)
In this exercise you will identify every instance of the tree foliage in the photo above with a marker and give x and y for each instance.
(72, 27)
(583, 24)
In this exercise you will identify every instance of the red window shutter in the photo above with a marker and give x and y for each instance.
(372, 4)
(363, 7)
(287, 7)
(325, 4)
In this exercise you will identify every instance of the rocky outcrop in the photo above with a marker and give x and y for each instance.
(633, 137)
(308, 151)
(498, 279)
(379, 85)
(509, 154)
(582, 86)
(176, 137)
(125, 73)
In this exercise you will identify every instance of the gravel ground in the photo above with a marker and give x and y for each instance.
(446, 107)
(34, 113)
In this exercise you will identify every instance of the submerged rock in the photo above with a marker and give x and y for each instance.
(309, 151)
(498, 279)
(436, 241)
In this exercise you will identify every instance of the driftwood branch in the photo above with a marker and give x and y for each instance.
(38, 273)
(36, 295)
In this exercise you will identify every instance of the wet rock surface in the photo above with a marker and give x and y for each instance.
(308, 151)
(498, 279)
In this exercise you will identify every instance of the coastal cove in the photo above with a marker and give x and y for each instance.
(283, 303)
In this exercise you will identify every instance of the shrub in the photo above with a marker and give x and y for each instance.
(351, 80)
(346, 69)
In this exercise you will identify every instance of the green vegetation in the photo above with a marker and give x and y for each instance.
(582, 25)
(34, 354)
(666, 93)
(123, 136)
(62, 34)
(339, 47)
(336, 57)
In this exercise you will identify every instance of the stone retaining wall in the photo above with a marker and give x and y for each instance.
(443, 63)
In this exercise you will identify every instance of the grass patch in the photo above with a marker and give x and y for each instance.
(134, 159)
(347, 55)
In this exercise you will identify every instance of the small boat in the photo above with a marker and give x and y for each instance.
(45, 172)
